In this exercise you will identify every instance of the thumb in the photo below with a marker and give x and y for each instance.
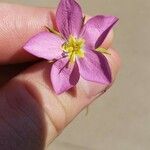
(34, 114)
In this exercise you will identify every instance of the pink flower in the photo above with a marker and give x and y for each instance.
(75, 49)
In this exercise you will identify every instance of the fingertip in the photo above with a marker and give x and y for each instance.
(114, 61)
(109, 40)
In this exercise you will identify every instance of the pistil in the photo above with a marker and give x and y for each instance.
(74, 47)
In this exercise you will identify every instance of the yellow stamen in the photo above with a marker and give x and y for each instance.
(103, 50)
(74, 48)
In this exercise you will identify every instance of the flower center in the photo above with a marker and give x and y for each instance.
(74, 48)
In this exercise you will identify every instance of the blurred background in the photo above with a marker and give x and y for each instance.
(119, 120)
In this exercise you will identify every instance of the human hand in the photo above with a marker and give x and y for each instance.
(31, 114)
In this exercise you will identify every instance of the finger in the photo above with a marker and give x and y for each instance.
(33, 85)
(18, 24)
(109, 40)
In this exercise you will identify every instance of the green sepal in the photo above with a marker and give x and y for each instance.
(103, 50)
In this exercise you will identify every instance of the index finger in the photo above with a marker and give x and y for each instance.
(17, 25)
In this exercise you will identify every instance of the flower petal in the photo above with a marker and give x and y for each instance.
(45, 45)
(94, 67)
(96, 29)
(69, 18)
(64, 75)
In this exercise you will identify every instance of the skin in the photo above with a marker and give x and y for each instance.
(31, 115)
